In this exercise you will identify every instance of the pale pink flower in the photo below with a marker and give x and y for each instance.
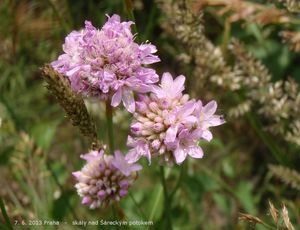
(169, 125)
(104, 178)
(108, 63)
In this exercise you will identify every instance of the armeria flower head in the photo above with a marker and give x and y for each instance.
(107, 63)
(169, 125)
(104, 178)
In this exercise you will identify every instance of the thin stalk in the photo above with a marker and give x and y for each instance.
(155, 205)
(110, 131)
(130, 14)
(269, 143)
(268, 226)
(58, 16)
(115, 216)
(150, 24)
(221, 182)
(137, 206)
(61, 188)
(177, 186)
(226, 38)
(5, 216)
(167, 201)
(157, 200)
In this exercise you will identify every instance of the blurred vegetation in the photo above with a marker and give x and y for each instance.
(247, 164)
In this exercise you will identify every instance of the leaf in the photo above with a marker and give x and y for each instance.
(246, 198)
(154, 206)
(60, 206)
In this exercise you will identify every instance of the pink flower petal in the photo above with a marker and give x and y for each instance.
(178, 85)
(179, 155)
(128, 100)
(132, 156)
(210, 108)
(195, 152)
(171, 134)
(167, 79)
(117, 97)
(216, 120)
(207, 135)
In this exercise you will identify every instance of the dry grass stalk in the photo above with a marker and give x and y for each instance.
(288, 176)
(240, 10)
(277, 102)
(292, 39)
(286, 219)
(291, 5)
(274, 212)
(249, 218)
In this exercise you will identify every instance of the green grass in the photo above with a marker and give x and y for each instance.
(39, 148)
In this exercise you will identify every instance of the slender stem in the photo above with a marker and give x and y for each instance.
(268, 226)
(138, 206)
(218, 179)
(110, 132)
(157, 200)
(130, 13)
(177, 186)
(59, 18)
(4, 213)
(167, 202)
(226, 38)
(61, 188)
(115, 216)
(155, 205)
(268, 142)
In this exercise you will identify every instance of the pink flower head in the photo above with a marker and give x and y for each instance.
(107, 63)
(169, 125)
(169, 88)
(121, 164)
(104, 178)
(139, 148)
(207, 118)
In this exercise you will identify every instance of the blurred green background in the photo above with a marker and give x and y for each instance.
(39, 148)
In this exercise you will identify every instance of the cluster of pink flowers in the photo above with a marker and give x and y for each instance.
(108, 64)
(104, 178)
(169, 125)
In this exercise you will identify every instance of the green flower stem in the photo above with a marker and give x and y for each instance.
(110, 132)
(130, 13)
(268, 226)
(61, 19)
(275, 151)
(155, 204)
(219, 180)
(270, 144)
(226, 38)
(167, 201)
(61, 188)
(114, 214)
(5, 216)
(157, 200)
(142, 214)
(181, 176)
